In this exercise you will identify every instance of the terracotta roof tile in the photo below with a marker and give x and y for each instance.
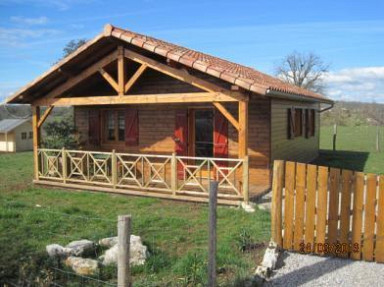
(245, 77)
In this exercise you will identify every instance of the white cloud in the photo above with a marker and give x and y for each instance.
(21, 36)
(29, 21)
(58, 4)
(356, 84)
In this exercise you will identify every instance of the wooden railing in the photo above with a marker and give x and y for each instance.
(169, 174)
(328, 211)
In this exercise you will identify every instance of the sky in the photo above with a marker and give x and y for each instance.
(347, 35)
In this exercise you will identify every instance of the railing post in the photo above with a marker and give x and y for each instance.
(174, 173)
(277, 208)
(246, 179)
(114, 168)
(124, 239)
(64, 164)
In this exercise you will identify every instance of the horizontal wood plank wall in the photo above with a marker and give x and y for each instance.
(156, 129)
(300, 149)
(328, 211)
(258, 139)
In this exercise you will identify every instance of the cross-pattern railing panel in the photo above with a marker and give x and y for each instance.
(164, 173)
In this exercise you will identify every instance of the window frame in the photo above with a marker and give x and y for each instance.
(104, 126)
(310, 123)
(24, 135)
(295, 122)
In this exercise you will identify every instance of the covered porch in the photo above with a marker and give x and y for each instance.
(112, 167)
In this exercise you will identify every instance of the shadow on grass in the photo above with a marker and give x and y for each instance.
(353, 160)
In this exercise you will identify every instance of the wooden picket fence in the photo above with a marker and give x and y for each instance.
(328, 211)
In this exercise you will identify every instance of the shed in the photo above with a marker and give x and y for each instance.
(158, 119)
(15, 135)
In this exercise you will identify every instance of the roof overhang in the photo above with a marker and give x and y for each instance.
(107, 40)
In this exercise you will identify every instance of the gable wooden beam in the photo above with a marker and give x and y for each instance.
(70, 83)
(227, 114)
(110, 80)
(203, 97)
(120, 70)
(135, 77)
(182, 75)
(44, 116)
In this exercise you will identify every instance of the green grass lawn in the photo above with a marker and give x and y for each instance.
(355, 149)
(175, 232)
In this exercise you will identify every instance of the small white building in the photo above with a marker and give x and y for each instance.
(16, 135)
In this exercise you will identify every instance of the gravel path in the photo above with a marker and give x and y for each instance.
(310, 270)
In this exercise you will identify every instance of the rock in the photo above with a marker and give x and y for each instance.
(56, 250)
(270, 256)
(82, 247)
(138, 253)
(108, 242)
(82, 266)
(248, 207)
(269, 262)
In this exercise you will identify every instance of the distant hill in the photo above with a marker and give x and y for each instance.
(354, 114)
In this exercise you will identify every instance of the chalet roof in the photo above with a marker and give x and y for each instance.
(9, 125)
(242, 76)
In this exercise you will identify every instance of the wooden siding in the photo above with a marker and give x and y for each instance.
(299, 149)
(156, 129)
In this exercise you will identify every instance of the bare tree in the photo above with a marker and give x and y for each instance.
(71, 47)
(305, 70)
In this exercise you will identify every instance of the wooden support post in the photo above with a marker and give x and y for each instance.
(36, 139)
(114, 168)
(243, 128)
(246, 179)
(227, 114)
(124, 239)
(212, 233)
(174, 173)
(120, 70)
(277, 197)
(334, 137)
(64, 164)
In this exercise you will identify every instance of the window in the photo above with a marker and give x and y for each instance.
(310, 122)
(295, 123)
(298, 122)
(115, 129)
(30, 135)
(121, 125)
(110, 126)
(23, 136)
(204, 133)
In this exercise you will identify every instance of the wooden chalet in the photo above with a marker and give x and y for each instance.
(157, 119)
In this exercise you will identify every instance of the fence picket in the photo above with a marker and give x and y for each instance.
(299, 205)
(333, 206)
(321, 209)
(379, 250)
(369, 217)
(277, 208)
(316, 198)
(345, 209)
(289, 204)
(310, 205)
(357, 215)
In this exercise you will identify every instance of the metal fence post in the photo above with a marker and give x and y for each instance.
(124, 236)
(212, 233)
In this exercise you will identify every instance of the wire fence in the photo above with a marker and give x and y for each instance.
(178, 250)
